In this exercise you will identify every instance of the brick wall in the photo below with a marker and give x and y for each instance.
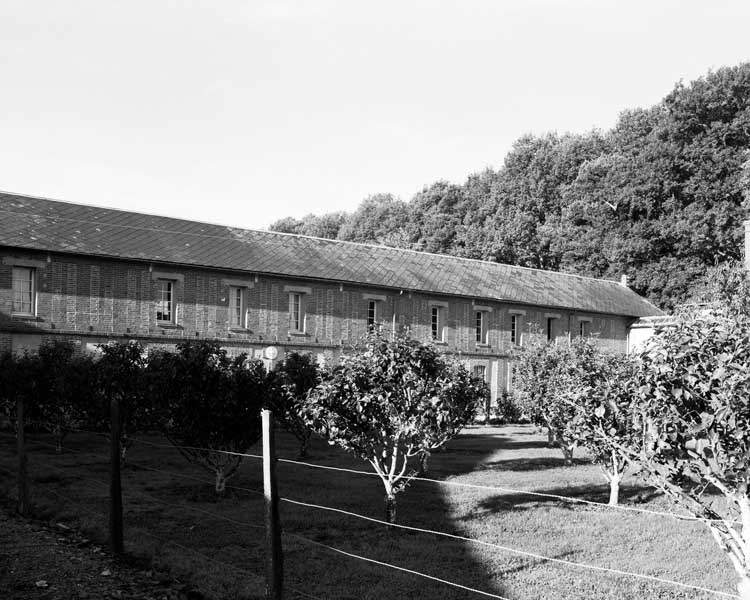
(96, 300)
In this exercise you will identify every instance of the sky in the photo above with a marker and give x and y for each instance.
(244, 112)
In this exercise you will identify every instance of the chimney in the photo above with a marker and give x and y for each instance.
(747, 244)
(624, 278)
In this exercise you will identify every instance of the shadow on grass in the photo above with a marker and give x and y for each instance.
(631, 494)
(532, 464)
(314, 570)
(421, 504)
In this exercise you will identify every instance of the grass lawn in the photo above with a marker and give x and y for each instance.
(161, 507)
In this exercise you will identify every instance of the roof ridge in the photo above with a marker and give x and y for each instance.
(280, 233)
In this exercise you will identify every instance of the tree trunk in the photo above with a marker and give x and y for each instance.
(614, 472)
(220, 487)
(567, 451)
(423, 456)
(303, 447)
(551, 438)
(125, 444)
(487, 409)
(390, 508)
(614, 490)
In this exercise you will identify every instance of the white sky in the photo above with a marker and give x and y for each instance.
(243, 112)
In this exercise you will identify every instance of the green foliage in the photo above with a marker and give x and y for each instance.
(56, 385)
(324, 226)
(118, 374)
(293, 378)
(379, 219)
(725, 289)
(210, 404)
(391, 400)
(64, 388)
(17, 381)
(550, 379)
(508, 411)
(691, 403)
(582, 395)
(660, 197)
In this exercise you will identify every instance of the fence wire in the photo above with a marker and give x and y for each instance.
(534, 555)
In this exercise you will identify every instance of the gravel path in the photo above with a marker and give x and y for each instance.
(51, 561)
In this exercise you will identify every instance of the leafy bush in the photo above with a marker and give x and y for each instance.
(508, 410)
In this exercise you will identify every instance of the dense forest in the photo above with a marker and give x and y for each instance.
(660, 197)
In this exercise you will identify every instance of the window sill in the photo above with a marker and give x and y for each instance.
(480, 345)
(298, 334)
(439, 343)
(25, 317)
(169, 326)
(239, 330)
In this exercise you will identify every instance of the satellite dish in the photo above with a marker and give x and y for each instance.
(271, 352)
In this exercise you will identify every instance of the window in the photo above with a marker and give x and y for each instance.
(514, 329)
(372, 313)
(550, 328)
(298, 296)
(237, 307)
(480, 372)
(165, 301)
(436, 323)
(583, 328)
(480, 326)
(297, 311)
(24, 290)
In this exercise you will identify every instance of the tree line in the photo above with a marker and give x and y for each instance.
(659, 197)
(390, 401)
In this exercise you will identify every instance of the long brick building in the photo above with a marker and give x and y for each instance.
(94, 274)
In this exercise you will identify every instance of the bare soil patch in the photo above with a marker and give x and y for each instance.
(51, 561)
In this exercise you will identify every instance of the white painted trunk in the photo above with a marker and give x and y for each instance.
(567, 451)
(614, 490)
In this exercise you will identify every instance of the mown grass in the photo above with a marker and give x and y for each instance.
(163, 523)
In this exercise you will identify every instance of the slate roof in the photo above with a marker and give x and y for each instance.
(54, 226)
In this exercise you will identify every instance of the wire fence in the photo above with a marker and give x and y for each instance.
(132, 493)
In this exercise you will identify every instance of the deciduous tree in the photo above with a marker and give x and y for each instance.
(292, 380)
(691, 405)
(391, 400)
(212, 406)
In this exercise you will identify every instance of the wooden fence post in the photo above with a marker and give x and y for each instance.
(115, 489)
(274, 556)
(23, 478)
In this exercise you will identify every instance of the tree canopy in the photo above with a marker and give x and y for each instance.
(659, 197)
(390, 401)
